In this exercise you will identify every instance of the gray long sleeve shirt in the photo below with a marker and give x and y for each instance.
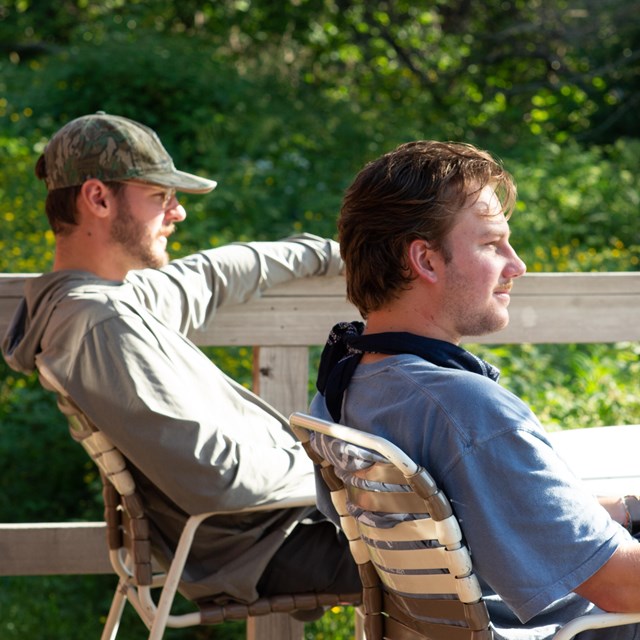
(197, 440)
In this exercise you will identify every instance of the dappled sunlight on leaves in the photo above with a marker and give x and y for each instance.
(282, 103)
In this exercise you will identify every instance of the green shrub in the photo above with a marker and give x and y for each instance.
(576, 207)
(283, 148)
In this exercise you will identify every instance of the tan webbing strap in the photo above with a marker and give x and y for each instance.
(466, 621)
(477, 615)
(112, 515)
(331, 479)
(315, 457)
(473, 615)
(421, 630)
(399, 631)
(447, 532)
(368, 575)
(416, 584)
(374, 626)
(214, 613)
(382, 472)
(458, 561)
(371, 601)
(438, 505)
(407, 531)
(386, 501)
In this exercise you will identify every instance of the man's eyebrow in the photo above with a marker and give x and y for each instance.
(496, 231)
(484, 209)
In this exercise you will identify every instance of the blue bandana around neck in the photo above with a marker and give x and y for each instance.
(346, 345)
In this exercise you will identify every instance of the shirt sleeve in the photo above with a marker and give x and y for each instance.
(187, 292)
(534, 531)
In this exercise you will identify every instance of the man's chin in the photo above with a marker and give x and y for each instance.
(493, 325)
(503, 324)
(161, 261)
(154, 261)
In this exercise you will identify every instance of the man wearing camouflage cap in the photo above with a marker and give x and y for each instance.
(111, 325)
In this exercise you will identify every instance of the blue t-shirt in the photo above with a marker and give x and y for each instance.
(534, 532)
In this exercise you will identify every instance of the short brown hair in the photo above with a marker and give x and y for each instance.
(412, 192)
(60, 205)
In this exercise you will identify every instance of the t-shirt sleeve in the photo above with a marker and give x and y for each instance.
(534, 531)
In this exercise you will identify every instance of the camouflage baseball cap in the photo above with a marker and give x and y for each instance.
(113, 148)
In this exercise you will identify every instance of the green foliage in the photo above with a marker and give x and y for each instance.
(26, 245)
(336, 624)
(276, 174)
(282, 103)
(45, 475)
(574, 206)
(76, 607)
(571, 386)
(469, 70)
(38, 607)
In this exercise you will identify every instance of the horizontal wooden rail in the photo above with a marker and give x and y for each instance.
(53, 548)
(545, 307)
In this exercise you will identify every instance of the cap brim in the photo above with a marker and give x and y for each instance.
(180, 181)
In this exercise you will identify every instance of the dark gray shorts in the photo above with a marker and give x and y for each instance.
(314, 557)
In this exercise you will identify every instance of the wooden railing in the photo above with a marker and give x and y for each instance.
(282, 325)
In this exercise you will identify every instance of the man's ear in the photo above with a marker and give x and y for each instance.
(95, 196)
(423, 260)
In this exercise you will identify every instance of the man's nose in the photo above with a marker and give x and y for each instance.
(516, 266)
(175, 211)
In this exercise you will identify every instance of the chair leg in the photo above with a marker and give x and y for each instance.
(358, 613)
(173, 577)
(595, 621)
(110, 629)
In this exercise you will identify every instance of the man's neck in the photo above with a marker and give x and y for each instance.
(395, 319)
(73, 254)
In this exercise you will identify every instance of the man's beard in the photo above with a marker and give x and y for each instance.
(472, 316)
(132, 236)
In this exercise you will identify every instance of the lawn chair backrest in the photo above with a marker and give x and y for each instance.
(124, 514)
(417, 573)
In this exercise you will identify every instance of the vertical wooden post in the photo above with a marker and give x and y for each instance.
(280, 376)
(358, 613)
(275, 626)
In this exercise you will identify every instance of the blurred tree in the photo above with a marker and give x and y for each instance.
(561, 67)
(564, 68)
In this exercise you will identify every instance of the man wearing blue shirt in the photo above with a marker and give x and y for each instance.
(424, 232)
